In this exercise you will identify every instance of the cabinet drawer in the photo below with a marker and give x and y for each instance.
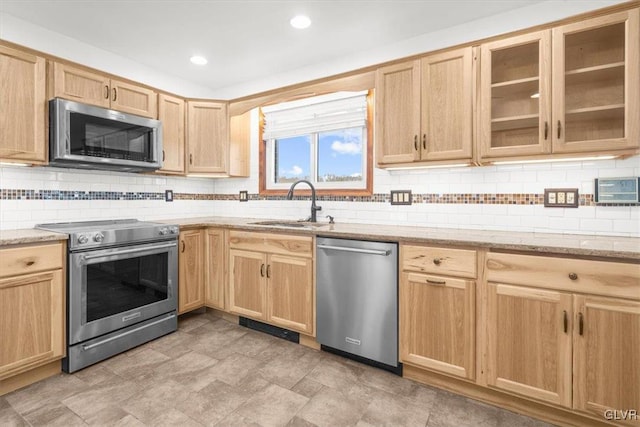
(573, 275)
(15, 261)
(455, 262)
(283, 244)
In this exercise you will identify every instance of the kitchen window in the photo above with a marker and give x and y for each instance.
(324, 139)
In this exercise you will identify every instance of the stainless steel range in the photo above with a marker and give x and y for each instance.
(121, 288)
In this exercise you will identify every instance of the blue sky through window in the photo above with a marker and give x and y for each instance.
(339, 156)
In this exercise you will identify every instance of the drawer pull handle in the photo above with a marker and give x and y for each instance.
(573, 276)
(262, 270)
(546, 130)
(106, 92)
(415, 142)
(559, 129)
(115, 94)
(30, 263)
(424, 141)
(437, 282)
(580, 324)
(183, 246)
(268, 271)
(437, 261)
(565, 321)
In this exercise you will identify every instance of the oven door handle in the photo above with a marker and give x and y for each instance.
(131, 251)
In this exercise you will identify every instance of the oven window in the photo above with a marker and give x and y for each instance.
(99, 137)
(117, 286)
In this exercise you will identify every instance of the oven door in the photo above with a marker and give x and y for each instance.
(110, 289)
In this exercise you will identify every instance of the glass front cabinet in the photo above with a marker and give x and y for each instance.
(571, 89)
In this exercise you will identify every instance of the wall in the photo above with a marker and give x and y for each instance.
(504, 197)
(517, 190)
(30, 196)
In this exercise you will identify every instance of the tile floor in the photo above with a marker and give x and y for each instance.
(213, 372)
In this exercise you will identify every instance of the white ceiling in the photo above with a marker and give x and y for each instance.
(247, 41)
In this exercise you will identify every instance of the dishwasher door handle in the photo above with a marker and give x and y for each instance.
(356, 250)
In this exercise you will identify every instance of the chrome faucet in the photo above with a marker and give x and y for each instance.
(314, 208)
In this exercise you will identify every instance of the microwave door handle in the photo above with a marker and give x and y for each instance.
(130, 251)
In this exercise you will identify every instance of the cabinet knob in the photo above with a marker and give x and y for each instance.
(573, 276)
(437, 261)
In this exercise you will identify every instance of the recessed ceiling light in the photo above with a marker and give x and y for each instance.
(199, 60)
(300, 22)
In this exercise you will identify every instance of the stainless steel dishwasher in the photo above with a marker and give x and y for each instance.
(357, 299)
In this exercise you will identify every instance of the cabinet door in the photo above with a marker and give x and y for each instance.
(171, 114)
(290, 293)
(247, 283)
(515, 96)
(606, 355)
(447, 105)
(529, 347)
(80, 85)
(596, 85)
(191, 271)
(32, 310)
(215, 277)
(207, 137)
(437, 323)
(134, 99)
(398, 113)
(23, 106)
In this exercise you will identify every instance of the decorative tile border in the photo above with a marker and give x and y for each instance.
(469, 199)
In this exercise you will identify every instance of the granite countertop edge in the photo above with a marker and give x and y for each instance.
(562, 244)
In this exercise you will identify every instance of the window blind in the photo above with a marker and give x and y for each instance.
(328, 112)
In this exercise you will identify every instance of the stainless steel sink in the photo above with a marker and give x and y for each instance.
(291, 224)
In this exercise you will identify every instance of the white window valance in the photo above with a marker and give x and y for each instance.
(337, 110)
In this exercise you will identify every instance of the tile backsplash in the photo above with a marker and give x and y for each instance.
(501, 197)
(505, 197)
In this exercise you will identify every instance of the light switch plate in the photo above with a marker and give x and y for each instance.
(400, 197)
(561, 198)
(244, 196)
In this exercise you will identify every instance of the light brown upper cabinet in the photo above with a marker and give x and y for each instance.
(515, 109)
(572, 89)
(22, 106)
(93, 88)
(171, 113)
(207, 137)
(596, 84)
(424, 109)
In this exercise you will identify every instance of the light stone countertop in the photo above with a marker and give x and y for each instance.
(29, 235)
(567, 244)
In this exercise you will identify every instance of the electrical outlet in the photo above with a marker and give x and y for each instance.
(400, 197)
(244, 196)
(168, 195)
(561, 197)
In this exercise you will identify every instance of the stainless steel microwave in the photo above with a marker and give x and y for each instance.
(84, 136)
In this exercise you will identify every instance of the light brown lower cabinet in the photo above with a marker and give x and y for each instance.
(215, 295)
(559, 345)
(606, 355)
(32, 314)
(529, 342)
(437, 309)
(437, 323)
(191, 270)
(271, 279)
